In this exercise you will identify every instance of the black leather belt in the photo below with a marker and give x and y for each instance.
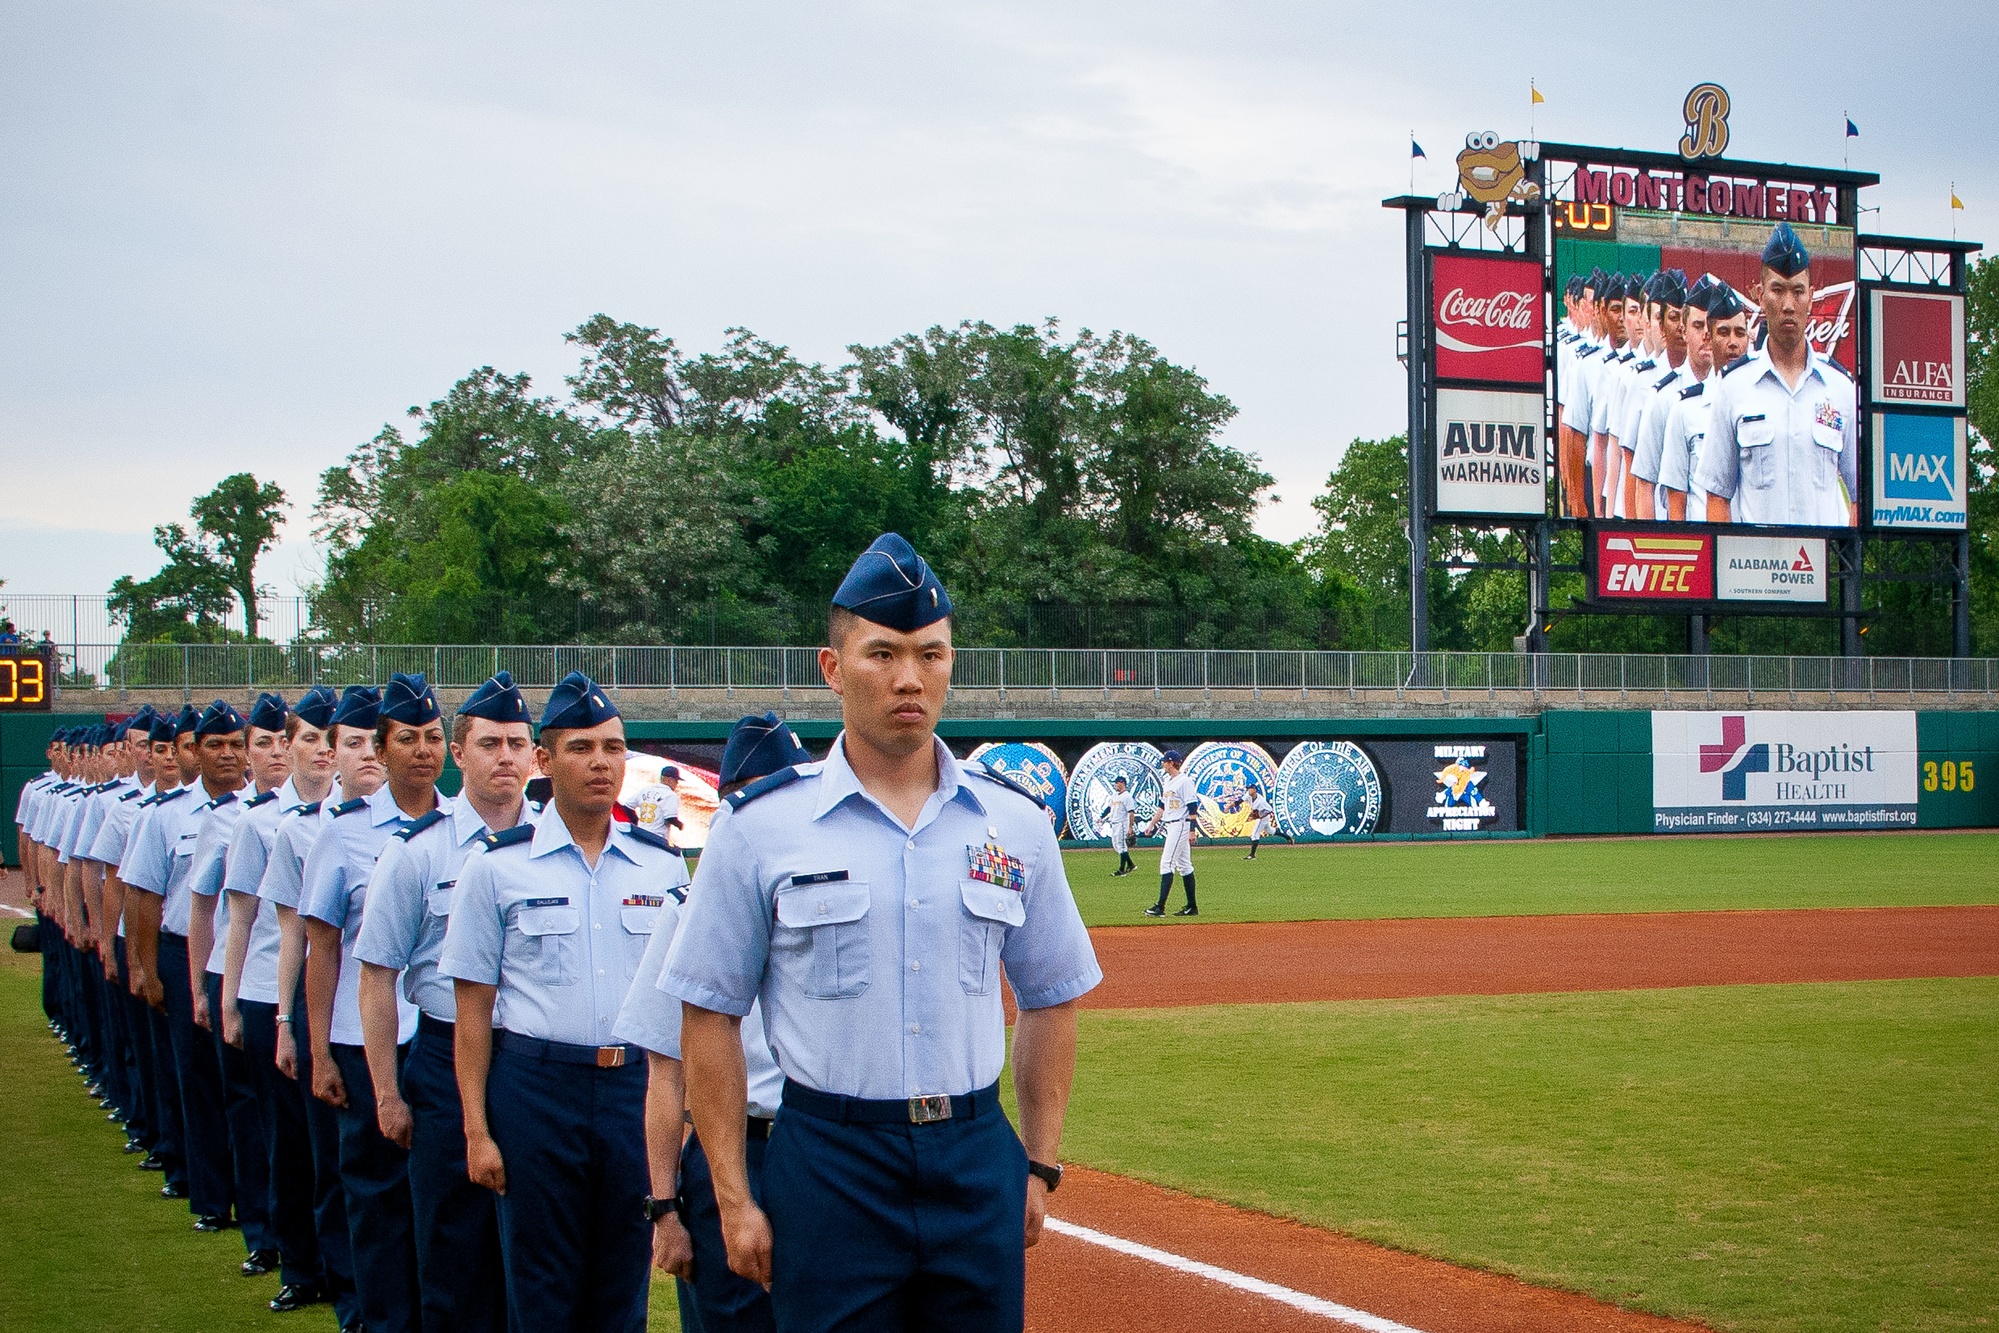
(901, 1111)
(439, 1028)
(756, 1127)
(562, 1052)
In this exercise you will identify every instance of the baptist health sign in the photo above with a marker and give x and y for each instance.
(1752, 772)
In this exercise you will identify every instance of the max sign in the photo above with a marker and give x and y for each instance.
(1486, 319)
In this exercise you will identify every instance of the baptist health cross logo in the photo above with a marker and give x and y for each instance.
(1735, 759)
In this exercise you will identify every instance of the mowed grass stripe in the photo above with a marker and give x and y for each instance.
(1354, 881)
(86, 1241)
(1808, 1158)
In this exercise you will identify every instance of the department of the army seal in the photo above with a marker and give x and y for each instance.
(1328, 789)
(1090, 787)
(1035, 767)
(1223, 772)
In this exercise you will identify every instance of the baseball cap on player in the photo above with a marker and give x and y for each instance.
(1170, 757)
(1785, 253)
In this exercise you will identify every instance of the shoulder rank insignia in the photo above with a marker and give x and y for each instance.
(162, 797)
(742, 796)
(349, 807)
(224, 799)
(1664, 382)
(993, 774)
(1737, 364)
(509, 837)
(1646, 365)
(308, 809)
(418, 825)
(1693, 390)
(265, 799)
(649, 838)
(133, 795)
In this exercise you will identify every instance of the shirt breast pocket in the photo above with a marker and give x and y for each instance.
(990, 911)
(549, 934)
(834, 918)
(1830, 442)
(1759, 461)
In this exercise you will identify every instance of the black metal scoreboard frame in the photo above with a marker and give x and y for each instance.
(1527, 231)
(27, 679)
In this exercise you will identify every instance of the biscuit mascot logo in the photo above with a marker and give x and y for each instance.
(1494, 174)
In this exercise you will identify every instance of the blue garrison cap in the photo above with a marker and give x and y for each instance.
(1668, 287)
(498, 700)
(1573, 288)
(1635, 285)
(1785, 252)
(269, 712)
(892, 586)
(1596, 281)
(1697, 294)
(141, 720)
(408, 699)
(186, 722)
(161, 730)
(758, 747)
(317, 706)
(1171, 757)
(1614, 289)
(576, 702)
(360, 706)
(1723, 303)
(219, 719)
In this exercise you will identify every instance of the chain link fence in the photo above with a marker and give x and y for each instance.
(195, 669)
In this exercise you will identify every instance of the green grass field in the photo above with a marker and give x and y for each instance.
(86, 1241)
(1817, 1158)
(1532, 878)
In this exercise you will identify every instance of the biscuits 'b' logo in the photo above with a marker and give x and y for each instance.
(1706, 114)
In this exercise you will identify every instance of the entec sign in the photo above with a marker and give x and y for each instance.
(1655, 566)
(1917, 340)
(1485, 319)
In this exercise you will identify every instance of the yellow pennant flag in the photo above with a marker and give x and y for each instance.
(1956, 202)
(1535, 93)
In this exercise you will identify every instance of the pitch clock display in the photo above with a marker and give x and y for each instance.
(24, 682)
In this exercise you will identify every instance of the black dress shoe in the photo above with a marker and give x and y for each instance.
(260, 1263)
(153, 1162)
(172, 1191)
(296, 1296)
(134, 1146)
(213, 1222)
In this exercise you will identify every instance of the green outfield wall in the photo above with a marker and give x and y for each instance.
(1554, 773)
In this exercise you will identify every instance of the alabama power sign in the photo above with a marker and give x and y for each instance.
(1769, 569)
(1486, 319)
(1751, 772)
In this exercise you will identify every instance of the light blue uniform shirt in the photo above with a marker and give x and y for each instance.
(296, 835)
(49, 812)
(651, 1017)
(72, 823)
(95, 812)
(161, 852)
(210, 872)
(410, 903)
(242, 871)
(336, 876)
(875, 950)
(560, 940)
(108, 843)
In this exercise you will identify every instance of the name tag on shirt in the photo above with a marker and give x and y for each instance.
(823, 877)
(545, 902)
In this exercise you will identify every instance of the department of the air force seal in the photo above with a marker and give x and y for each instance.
(1034, 766)
(1090, 787)
(1223, 772)
(1327, 788)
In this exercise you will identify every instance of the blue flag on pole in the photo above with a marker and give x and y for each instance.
(1852, 130)
(1416, 150)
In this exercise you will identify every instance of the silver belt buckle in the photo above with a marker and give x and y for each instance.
(929, 1110)
(610, 1057)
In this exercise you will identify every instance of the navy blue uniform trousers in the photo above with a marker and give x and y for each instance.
(211, 1182)
(374, 1173)
(249, 1153)
(573, 1234)
(288, 1165)
(329, 1200)
(723, 1302)
(894, 1227)
(159, 1049)
(135, 1049)
(457, 1226)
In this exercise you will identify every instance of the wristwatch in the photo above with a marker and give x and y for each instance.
(1051, 1176)
(657, 1208)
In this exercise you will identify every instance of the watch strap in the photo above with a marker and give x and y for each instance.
(1051, 1176)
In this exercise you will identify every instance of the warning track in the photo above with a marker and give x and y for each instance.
(1285, 962)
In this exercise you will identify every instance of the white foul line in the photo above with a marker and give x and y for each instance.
(1255, 1286)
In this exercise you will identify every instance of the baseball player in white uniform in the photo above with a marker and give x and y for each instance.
(1781, 435)
(1266, 819)
(1119, 816)
(657, 806)
(1175, 820)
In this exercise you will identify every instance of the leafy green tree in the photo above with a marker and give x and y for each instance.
(1359, 556)
(241, 517)
(185, 602)
(1981, 331)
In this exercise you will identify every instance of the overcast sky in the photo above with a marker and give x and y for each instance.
(243, 236)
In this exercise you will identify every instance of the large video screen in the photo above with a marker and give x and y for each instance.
(1651, 423)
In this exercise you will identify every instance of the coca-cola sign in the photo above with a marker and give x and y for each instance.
(1487, 321)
